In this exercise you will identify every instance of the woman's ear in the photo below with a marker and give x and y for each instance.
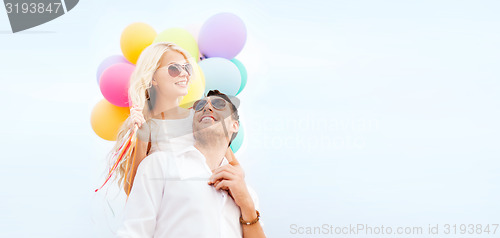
(154, 82)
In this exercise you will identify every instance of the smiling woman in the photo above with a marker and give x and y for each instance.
(157, 85)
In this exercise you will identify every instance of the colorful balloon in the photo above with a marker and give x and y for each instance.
(106, 119)
(194, 29)
(114, 83)
(196, 88)
(180, 37)
(243, 73)
(221, 74)
(111, 60)
(238, 140)
(134, 39)
(222, 35)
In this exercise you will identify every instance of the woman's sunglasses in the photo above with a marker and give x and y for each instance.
(175, 70)
(217, 103)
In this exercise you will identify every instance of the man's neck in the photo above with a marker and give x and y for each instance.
(213, 150)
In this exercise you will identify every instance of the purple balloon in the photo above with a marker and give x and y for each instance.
(106, 63)
(222, 35)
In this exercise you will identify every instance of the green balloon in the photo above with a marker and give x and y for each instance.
(243, 72)
(181, 38)
(238, 141)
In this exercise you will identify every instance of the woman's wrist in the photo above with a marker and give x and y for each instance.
(248, 211)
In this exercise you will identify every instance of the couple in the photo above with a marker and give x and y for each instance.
(188, 183)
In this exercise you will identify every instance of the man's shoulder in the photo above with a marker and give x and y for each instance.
(155, 159)
(158, 157)
(168, 158)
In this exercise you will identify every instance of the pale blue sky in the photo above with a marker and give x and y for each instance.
(378, 112)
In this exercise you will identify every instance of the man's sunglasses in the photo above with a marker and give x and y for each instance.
(217, 103)
(175, 70)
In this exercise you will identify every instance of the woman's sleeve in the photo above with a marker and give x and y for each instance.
(144, 200)
(144, 133)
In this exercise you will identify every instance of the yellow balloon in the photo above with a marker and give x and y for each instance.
(106, 119)
(182, 38)
(134, 39)
(196, 88)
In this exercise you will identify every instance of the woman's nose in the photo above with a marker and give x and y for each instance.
(183, 73)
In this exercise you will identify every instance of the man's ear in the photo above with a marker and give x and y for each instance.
(236, 126)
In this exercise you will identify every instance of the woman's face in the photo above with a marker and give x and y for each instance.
(166, 84)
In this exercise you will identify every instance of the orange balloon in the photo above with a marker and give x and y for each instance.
(106, 119)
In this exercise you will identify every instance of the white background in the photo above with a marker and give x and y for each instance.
(376, 112)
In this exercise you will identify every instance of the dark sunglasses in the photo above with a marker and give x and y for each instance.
(175, 70)
(217, 103)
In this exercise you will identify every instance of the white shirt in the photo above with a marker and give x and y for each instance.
(168, 135)
(171, 198)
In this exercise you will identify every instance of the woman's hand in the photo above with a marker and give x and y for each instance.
(233, 161)
(231, 178)
(136, 116)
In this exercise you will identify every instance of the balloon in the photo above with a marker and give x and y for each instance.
(222, 35)
(111, 60)
(243, 73)
(180, 37)
(238, 140)
(134, 39)
(114, 83)
(107, 118)
(194, 29)
(196, 88)
(221, 74)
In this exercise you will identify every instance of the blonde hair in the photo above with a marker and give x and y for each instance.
(140, 92)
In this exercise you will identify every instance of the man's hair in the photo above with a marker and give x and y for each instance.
(234, 113)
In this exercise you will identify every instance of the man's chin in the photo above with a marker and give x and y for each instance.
(209, 128)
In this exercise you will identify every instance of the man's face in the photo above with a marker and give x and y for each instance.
(214, 118)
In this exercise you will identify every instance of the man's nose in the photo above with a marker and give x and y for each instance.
(208, 106)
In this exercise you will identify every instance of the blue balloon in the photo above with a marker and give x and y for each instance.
(221, 74)
(243, 73)
(238, 141)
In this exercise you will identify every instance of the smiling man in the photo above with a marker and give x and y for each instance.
(195, 192)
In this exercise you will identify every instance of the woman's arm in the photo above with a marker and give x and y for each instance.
(231, 158)
(248, 213)
(140, 154)
(230, 178)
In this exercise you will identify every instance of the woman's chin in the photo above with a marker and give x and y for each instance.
(183, 92)
(180, 93)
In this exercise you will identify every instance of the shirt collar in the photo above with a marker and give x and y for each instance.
(191, 151)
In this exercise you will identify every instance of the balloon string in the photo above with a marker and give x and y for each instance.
(114, 167)
(133, 140)
(128, 143)
(125, 180)
(133, 166)
(121, 146)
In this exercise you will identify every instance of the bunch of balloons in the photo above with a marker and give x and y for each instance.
(220, 39)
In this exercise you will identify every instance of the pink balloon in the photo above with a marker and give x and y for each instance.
(111, 60)
(222, 35)
(114, 83)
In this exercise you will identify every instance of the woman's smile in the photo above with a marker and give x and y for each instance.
(182, 83)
